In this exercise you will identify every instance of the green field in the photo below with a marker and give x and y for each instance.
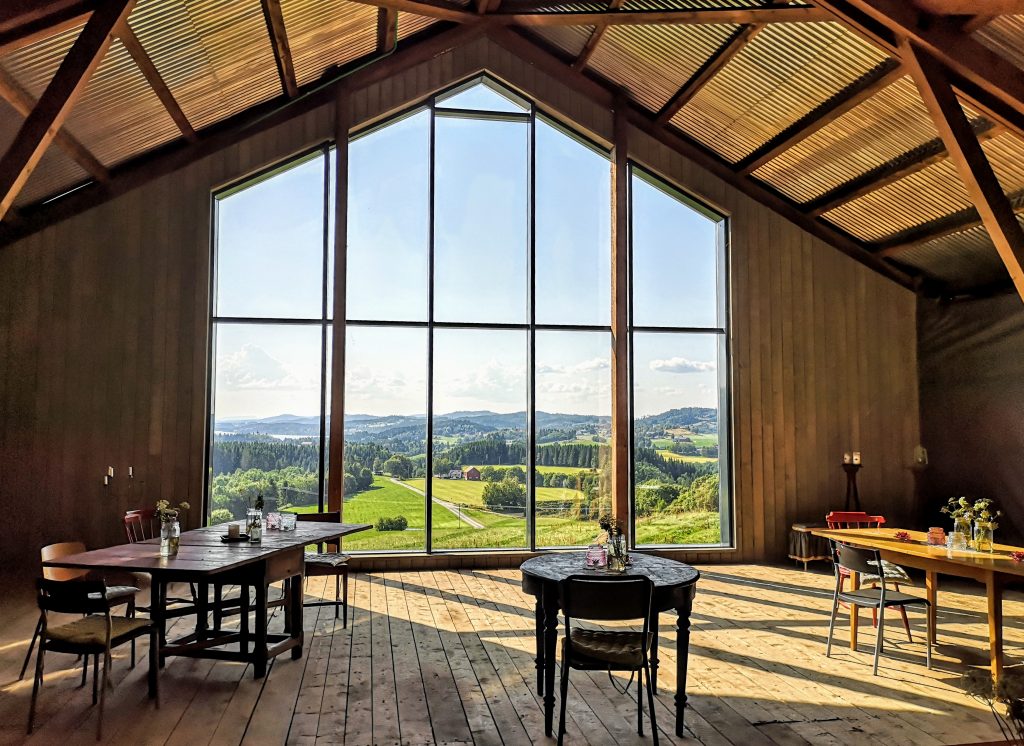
(679, 528)
(668, 455)
(472, 493)
(542, 469)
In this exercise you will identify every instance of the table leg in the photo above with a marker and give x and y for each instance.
(538, 621)
(994, 591)
(295, 614)
(158, 613)
(550, 640)
(259, 652)
(654, 651)
(682, 659)
(931, 584)
(243, 620)
(202, 602)
(854, 615)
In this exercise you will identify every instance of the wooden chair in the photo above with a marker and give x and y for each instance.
(608, 598)
(117, 594)
(96, 633)
(895, 573)
(329, 563)
(879, 599)
(142, 525)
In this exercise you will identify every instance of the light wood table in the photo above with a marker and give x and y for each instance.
(989, 568)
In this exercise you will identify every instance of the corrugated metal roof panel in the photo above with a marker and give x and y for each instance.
(1006, 155)
(570, 39)
(783, 73)
(890, 123)
(326, 33)
(214, 55)
(920, 198)
(1004, 35)
(962, 260)
(653, 62)
(55, 173)
(410, 23)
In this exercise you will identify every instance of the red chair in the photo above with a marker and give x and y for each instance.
(839, 519)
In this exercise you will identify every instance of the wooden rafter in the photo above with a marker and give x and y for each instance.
(133, 46)
(947, 225)
(966, 7)
(967, 155)
(20, 29)
(971, 24)
(387, 29)
(885, 73)
(905, 164)
(274, 17)
(603, 94)
(594, 39)
(712, 65)
(447, 12)
(53, 107)
(990, 83)
(23, 102)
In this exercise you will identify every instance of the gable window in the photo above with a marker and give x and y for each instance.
(477, 365)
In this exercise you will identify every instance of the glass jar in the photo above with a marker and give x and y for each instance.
(170, 536)
(983, 536)
(617, 556)
(255, 523)
(288, 521)
(596, 557)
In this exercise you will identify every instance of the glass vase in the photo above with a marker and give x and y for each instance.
(983, 531)
(961, 535)
(170, 536)
(617, 556)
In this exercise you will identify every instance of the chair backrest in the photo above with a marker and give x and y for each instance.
(855, 559)
(606, 597)
(853, 519)
(83, 597)
(56, 551)
(140, 525)
(330, 516)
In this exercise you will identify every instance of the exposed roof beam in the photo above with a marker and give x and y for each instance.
(885, 73)
(903, 165)
(947, 225)
(46, 119)
(969, 158)
(989, 82)
(594, 39)
(15, 14)
(448, 12)
(279, 42)
(21, 30)
(23, 102)
(145, 64)
(965, 7)
(602, 94)
(973, 23)
(179, 154)
(719, 59)
(387, 29)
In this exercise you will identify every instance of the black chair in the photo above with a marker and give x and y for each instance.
(96, 633)
(869, 562)
(329, 563)
(608, 598)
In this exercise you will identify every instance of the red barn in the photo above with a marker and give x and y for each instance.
(472, 474)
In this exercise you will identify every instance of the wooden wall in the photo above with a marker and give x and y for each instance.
(104, 336)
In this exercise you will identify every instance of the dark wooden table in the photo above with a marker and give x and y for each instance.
(675, 585)
(204, 559)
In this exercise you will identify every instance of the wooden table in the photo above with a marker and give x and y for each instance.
(990, 568)
(204, 559)
(675, 585)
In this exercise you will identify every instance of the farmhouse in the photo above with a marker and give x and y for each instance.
(472, 474)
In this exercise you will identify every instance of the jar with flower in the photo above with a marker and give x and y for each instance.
(170, 527)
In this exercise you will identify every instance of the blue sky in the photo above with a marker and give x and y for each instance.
(270, 264)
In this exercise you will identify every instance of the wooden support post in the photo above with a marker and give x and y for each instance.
(46, 119)
(622, 431)
(336, 449)
(969, 158)
(387, 29)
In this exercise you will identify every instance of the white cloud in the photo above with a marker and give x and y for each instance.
(253, 368)
(682, 365)
(587, 366)
(491, 381)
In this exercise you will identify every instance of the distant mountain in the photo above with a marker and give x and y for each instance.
(697, 419)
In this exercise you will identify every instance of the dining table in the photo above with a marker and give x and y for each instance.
(204, 558)
(675, 585)
(911, 549)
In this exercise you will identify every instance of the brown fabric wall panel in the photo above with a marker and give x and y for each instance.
(972, 407)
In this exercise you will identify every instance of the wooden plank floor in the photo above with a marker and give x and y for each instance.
(447, 657)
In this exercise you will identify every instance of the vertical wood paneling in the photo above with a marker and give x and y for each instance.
(104, 324)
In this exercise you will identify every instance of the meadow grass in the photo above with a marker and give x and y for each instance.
(542, 469)
(669, 456)
(472, 493)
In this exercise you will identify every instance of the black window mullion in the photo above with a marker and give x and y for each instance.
(428, 482)
(324, 327)
(531, 411)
